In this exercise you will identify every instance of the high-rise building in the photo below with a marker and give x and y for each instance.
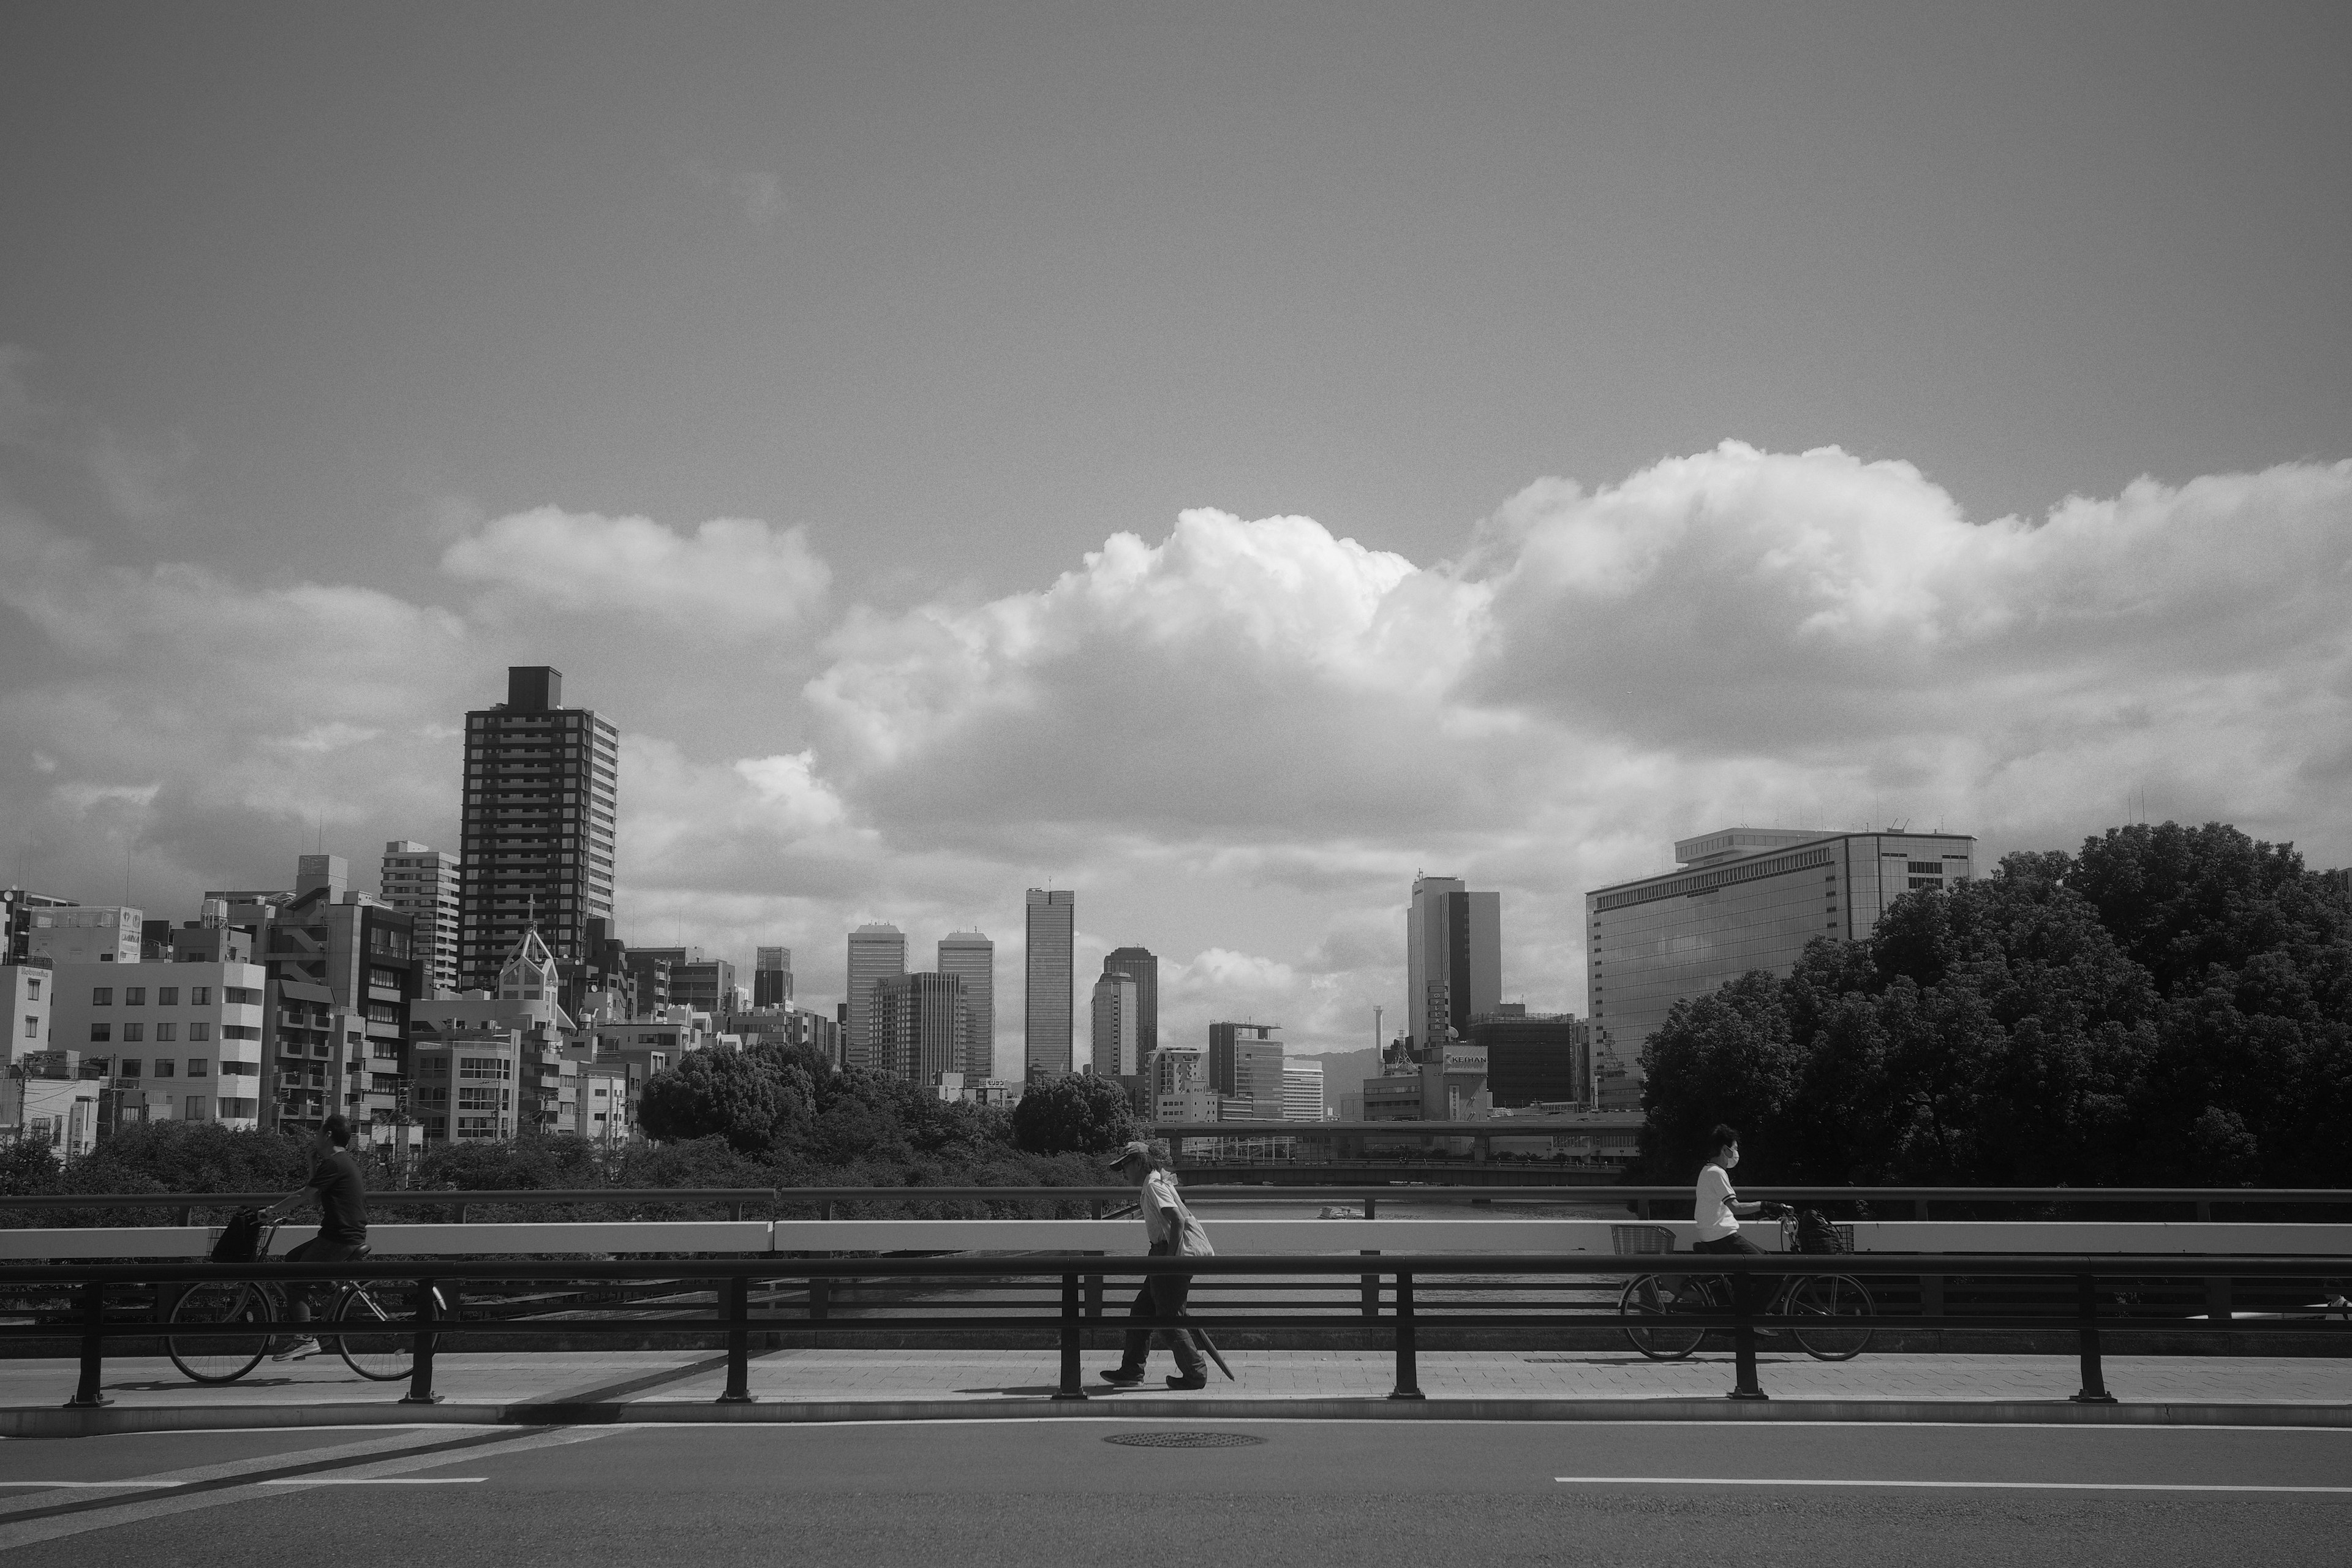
(1246, 1063)
(1302, 1090)
(970, 957)
(1543, 1058)
(540, 804)
(1049, 995)
(1140, 965)
(918, 1026)
(1115, 1053)
(423, 881)
(876, 953)
(771, 977)
(1745, 898)
(1454, 959)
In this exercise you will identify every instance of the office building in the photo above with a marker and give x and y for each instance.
(920, 1030)
(1302, 1090)
(1245, 1064)
(1745, 899)
(1115, 1053)
(1543, 1058)
(1049, 990)
(970, 957)
(1454, 960)
(771, 977)
(540, 804)
(1140, 965)
(705, 984)
(422, 882)
(876, 952)
(78, 933)
(16, 906)
(191, 1030)
(25, 992)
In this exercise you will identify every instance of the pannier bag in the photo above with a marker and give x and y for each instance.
(1815, 1233)
(240, 1238)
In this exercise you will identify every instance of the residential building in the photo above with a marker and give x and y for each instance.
(50, 1103)
(1049, 990)
(1544, 1058)
(648, 981)
(77, 933)
(1302, 1090)
(1115, 1050)
(422, 882)
(707, 984)
(464, 1087)
(601, 979)
(771, 977)
(540, 804)
(1246, 1063)
(192, 1030)
(970, 957)
(789, 1026)
(1140, 964)
(920, 1026)
(16, 906)
(876, 952)
(25, 992)
(1745, 899)
(1454, 960)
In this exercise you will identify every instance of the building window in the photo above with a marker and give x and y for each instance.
(485, 1068)
(195, 1103)
(100, 1034)
(102, 997)
(235, 1032)
(197, 1032)
(135, 996)
(197, 1068)
(167, 996)
(32, 990)
(129, 1068)
(200, 995)
(165, 1067)
(132, 1032)
(245, 994)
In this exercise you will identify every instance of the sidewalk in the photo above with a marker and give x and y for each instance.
(828, 1384)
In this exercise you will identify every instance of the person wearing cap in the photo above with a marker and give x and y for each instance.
(1175, 1233)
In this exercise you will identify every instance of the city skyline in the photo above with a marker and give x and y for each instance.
(1648, 421)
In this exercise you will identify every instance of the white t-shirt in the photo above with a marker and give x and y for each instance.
(1160, 1195)
(1712, 1208)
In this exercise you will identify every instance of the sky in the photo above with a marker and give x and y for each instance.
(1221, 459)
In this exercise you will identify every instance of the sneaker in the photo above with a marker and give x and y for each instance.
(295, 1349)
(1199, 1381)
(1121, 1377)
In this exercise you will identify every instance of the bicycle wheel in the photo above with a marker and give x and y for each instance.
(206, 1341)
(364, 1334)
(1836, 1312)
(1654, 1295)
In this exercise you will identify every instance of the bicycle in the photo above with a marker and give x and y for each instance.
(1838, 1305)
(362, 1311)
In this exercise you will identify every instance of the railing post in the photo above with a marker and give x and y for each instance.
(1408, 1353)
(1371, 1207)
(2204, 1209)
(1095, 1209)
(2219, 1307)
(1642, 1207)
(86, 1395)
(1093, 1291)
(739, 1340)
(824, 1208)
(820, 1300)
(735, 1209)
(1372, 1289)
(1931, 1295)
(420, 1371)
(1072, 1386)
(2094, 1385)
(1743, 1347)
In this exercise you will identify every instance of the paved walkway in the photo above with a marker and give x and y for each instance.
(878, 1377)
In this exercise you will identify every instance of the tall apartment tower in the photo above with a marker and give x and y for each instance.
(1454, 959)
(541, 800)
(1115, 1013)
(422, 880)
(1745, 897)
(1138, 964)
(970, 957)
(1049, 996)
(771, 977)
(876, 953)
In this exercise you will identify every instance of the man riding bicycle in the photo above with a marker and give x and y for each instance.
(335, 1186)
(1718, 1211)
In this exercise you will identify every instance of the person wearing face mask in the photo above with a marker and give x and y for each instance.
(1719, 1211)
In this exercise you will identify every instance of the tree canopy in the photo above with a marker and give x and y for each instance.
(2171, 1005)
(1075, 1115)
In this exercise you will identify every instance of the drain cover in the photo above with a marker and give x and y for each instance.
(1183, 1439)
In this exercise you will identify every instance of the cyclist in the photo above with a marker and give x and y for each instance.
(1719, 1211)
(335, 1186)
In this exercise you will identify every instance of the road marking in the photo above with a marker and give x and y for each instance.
(372, 1481)
(140, 1485)
(1941, 1486)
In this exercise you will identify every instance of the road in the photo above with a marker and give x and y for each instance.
(1036, 1491)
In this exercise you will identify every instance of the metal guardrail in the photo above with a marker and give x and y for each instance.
(1387, 1282)
(2202, 1202)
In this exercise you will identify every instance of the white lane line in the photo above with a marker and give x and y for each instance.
(140, 1485)
(1947, 1486)
(373, 1481)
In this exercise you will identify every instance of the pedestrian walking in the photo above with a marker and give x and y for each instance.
(1173, 1233)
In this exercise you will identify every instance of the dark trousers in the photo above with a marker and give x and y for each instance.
(1749, 1293)
(1163, 1296)
(317, 1250)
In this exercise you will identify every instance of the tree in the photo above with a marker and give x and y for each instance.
(1078, 1114)
(748, 1098)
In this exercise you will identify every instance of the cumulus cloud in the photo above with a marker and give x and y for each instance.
(728, 577)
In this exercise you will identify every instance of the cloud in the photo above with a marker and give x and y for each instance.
(729, 577)
(757, 196)
(143, 484)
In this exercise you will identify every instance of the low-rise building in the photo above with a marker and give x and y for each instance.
(191, 1030)
(58, 1112)
(79, 934)
(26, 991)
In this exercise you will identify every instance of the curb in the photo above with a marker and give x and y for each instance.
(116, 1420)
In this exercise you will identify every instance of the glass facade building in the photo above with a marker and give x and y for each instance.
(1049, 995)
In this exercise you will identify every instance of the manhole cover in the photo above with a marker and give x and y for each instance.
(1183, 1439)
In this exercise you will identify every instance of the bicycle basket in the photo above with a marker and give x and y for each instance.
(1639, 1240)
(1814, 1232)
(240, 1238)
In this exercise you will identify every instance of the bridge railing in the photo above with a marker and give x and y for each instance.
(1056, 1299)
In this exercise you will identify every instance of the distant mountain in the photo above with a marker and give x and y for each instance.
(1344, 1072)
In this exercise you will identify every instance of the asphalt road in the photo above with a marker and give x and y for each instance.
(1037, 1492)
